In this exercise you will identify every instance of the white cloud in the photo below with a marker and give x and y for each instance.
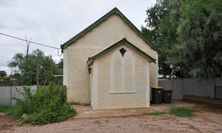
(53, 22)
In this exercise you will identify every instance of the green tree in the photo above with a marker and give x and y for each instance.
(199, 30)
(47, 67)
(60, 65)
(15, 76)
(3, 74)
(189, 35)
(160, 32)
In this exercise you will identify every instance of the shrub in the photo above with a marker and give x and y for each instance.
(46, 105)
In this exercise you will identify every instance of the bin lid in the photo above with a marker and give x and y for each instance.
(167, 90)
(156, 87)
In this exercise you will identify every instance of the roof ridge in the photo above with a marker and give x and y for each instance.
(100, 20)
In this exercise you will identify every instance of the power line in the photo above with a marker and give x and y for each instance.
(31, 42)
(26, 41)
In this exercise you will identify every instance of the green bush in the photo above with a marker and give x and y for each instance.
(46, 105)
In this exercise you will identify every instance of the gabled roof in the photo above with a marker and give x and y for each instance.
(123, 41)
(113, 11)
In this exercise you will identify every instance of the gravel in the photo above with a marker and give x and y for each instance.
(204, 122)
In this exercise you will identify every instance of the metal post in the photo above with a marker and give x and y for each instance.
(10, 100)
(37, 71)
(215, 96)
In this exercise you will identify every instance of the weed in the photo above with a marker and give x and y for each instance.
(25, 104)
(183, 112)
(16, 112)
(74, 103)
(11, 111)
(4, 108)
(46, 105)
(20, 125)
(155, 113)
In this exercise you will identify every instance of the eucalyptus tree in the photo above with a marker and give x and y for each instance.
(28, 68)
(189, 36)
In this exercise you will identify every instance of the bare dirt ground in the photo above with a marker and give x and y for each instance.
(5, 119)
(209, 119)
(205, 104)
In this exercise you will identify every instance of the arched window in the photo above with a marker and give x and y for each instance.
(122, 71)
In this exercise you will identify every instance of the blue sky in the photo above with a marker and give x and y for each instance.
(53, 22)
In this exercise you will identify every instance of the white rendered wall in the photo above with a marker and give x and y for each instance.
(110, 87)
(106, 34)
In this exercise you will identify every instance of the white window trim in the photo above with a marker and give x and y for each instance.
(123, 74)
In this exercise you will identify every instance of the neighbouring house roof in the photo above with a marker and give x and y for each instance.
(113, 11)
(123, 41)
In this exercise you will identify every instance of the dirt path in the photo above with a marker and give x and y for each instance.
(208, 120)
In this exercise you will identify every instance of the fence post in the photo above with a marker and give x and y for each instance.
(215, 88)
(182, 86)
(10, 96)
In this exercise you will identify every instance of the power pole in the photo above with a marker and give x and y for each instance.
(27, 51)
(11, 74)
